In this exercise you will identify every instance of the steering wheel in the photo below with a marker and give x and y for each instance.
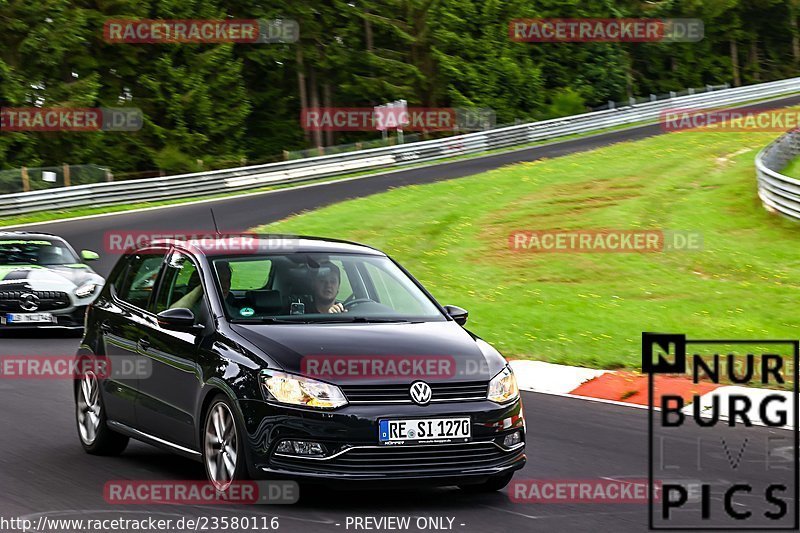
(356, 301)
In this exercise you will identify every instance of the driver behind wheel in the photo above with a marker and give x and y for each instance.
(325, 286)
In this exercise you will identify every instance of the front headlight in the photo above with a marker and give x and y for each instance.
(503, 387)
(86, 290)
(298, 390)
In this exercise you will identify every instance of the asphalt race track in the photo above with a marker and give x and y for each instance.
(43, 469)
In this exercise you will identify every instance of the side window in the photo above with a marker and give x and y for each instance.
(117, 278)
(390, 292)
(139, 283)
(345, 289)
(180, 286)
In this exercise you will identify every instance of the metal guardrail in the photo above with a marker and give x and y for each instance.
(779, 193)
(253, 177)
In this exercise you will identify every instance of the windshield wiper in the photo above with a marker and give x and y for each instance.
(268, 320)
(359, 320)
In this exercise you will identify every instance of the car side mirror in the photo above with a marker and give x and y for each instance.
(458, 314)
(178, 319)
(88, 255)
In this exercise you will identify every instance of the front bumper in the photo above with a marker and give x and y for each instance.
(69, 319)
(353, 453)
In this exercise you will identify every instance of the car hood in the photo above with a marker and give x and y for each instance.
(49, 278)
(459, 355)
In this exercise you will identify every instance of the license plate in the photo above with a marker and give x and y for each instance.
(28, 318)
(435, 430)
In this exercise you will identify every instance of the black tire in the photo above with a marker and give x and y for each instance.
(492, 484)
(218, 454)
(103, 441)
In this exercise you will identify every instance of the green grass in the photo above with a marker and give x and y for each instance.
(55, 214)
(590, 308)
(792, 169)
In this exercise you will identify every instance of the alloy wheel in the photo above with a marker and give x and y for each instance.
(221, 446)
(89, 408)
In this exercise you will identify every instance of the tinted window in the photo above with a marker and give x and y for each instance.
(35, 252)
(180, 285)
(390, 291)
(315, 287)
(139, 283)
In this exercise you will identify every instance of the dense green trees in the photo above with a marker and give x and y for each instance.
(215, 104)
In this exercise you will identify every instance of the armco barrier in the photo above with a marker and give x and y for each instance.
(779, 193)
(252, 177)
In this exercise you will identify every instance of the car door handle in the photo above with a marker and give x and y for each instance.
(144, 344)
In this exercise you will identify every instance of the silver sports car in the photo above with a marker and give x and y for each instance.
(44, 283)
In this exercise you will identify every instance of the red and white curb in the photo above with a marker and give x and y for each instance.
(631, 389)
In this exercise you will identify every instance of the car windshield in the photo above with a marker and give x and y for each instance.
(35, 252)
(319, 288)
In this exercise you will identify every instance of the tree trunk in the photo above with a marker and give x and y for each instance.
(312, 78)
(755, 65)
(327, 101)
(301, 85)
(368, 31)
(795, 36)
(737, 80)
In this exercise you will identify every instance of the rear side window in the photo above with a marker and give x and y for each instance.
(140, 280)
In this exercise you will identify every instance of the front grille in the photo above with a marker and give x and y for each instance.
(48, 300)
(422, 459)
(440, 392)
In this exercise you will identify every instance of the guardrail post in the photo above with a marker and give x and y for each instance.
(611, 104)
(109, 175)
(709, 88)
(690, 90)
(672, 94)
(632, 100)
(653, 97)
(286, 155)
(67, 181)
(26, 184)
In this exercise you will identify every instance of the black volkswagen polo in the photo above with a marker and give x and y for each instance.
(296, 358)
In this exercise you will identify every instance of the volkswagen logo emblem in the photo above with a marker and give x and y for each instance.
(29, 302)
(420, 393)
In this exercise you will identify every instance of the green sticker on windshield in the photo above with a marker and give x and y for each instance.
(247, 311)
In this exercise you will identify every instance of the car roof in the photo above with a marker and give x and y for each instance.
(232, 244)
(28, 235)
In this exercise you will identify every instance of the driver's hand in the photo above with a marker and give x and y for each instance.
(337, 308)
